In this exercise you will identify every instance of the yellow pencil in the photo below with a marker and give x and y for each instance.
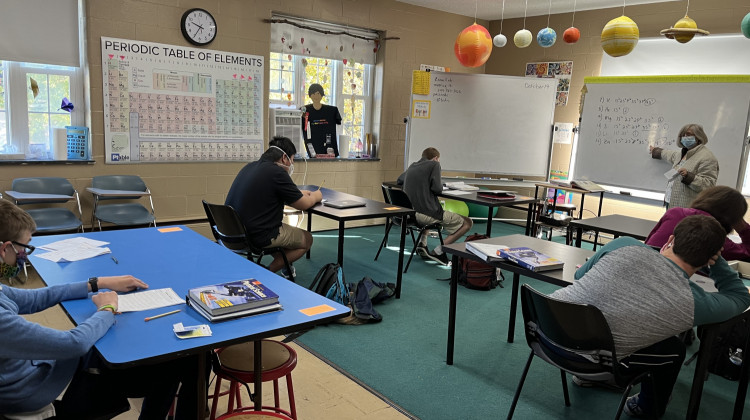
(161, 315)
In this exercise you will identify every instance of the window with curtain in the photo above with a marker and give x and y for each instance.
(343, 65)
(38, 68)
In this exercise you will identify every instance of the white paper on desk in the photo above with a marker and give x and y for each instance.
(75, 254)
(73, 243)
(148, 299)
(671, 174)
(456, 192)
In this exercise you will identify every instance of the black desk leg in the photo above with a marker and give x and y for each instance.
(340, 257)
(528, 219)
(400, 273)
(309, 229)
(489, 221)
(257, 380)
(579, 234)
(452, 311)
(701, 367)
(513, 307)
(739, 401)
(203, 375)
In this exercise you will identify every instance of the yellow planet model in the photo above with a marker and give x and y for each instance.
(619, 36)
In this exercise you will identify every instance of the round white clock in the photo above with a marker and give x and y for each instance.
(198, 26)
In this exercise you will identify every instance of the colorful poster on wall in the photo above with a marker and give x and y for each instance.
(560, 70)
(167, 103)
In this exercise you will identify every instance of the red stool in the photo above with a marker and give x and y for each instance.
(237, 362)
(254, 415)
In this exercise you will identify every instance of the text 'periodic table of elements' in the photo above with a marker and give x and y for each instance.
(166, 103)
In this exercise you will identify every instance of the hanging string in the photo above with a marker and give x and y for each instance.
(502, 16)
(549, 12)
(688, 8)
(623, 7)
(524, 14)
(476, 6)
(572, 24)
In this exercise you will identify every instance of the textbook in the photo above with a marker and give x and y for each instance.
(231, 298)
(487, 252)
(530, 259)
(231, 315)
(496, 194)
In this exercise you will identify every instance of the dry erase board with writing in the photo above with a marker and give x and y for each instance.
(622, 116)
(484, 123)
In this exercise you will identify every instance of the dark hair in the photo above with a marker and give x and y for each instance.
(315, 88)
(282, 143)
(725, 204)
(697, 238)
(430, 153)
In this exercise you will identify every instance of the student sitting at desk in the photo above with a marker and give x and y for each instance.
(422, 183)
(725, 204)
(647, 298)
(259, 193)
(37, 363)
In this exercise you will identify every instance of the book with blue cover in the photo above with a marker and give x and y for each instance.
(530, 259)
(232, 297)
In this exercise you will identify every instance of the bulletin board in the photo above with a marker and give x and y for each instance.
(168, 103)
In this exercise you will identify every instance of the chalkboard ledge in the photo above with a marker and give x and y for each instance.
(45, 162)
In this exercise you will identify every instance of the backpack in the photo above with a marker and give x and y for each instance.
(366, 293)
(728, 340)
(478, 275)
(329, 282)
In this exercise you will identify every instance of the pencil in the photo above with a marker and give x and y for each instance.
(161, 315)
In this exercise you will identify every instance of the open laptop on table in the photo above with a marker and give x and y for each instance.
(343, 204)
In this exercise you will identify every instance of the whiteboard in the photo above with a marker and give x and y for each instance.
(484, 123)
(622, 116)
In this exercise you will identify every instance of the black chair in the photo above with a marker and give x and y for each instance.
(229, 231)
(574, 338)
(399, 198)
(389, 221)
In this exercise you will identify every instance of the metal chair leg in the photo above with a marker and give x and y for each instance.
(520, 386)
(384, 242)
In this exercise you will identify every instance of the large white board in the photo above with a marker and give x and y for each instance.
(622, 116)
(166, 103)
(484, 123)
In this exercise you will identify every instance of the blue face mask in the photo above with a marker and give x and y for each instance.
(688, 141)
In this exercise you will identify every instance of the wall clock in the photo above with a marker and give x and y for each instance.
(198, 26)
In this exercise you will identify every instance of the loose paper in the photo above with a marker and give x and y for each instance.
(148, 299)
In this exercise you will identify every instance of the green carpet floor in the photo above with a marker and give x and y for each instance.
(403, 357)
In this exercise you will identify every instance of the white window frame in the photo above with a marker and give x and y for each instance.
(17, 106)
(336, 97)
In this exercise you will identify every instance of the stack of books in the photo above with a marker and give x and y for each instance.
(487, 252)
(530, 259)
(233, 299)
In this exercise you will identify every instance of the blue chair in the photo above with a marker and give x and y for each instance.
(121, 187)
(46, 194)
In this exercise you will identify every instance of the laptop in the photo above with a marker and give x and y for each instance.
(344, 204)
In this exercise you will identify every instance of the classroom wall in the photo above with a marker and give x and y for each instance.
(715, 16)
(426, 37)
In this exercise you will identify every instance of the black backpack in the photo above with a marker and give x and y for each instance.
(478, 275)
(723, 355)
(329, 282)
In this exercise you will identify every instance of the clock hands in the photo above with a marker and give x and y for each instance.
(199, 26)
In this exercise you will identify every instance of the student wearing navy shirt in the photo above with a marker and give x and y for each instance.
(320, 121)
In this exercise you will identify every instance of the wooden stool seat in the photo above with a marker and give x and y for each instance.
(237, 362)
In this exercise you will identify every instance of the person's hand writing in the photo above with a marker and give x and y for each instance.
(306, 192)
(125, 283)
(105, 298)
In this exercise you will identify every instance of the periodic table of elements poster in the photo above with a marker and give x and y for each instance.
(167, 103)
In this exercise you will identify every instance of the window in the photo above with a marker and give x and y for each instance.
(343, 65)
(27, 119)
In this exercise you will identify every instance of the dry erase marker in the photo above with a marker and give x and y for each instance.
(115, 260)
(161, 315)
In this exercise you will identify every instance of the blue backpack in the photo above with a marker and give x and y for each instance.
(329, 282)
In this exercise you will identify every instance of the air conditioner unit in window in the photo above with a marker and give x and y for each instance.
(288, 123)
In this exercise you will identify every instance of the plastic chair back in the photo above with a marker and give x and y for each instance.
(227, 227)
(573, 337)
(119, 182)
(386, 194)
(399, 198)
(54, 219)
(44, 185)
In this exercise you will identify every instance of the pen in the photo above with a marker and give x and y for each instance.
(161, 315)
(115, 260)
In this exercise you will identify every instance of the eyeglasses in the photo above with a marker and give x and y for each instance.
(29, 248)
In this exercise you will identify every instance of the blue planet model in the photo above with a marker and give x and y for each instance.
(546, 37)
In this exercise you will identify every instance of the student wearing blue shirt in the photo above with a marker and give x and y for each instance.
(37, 363)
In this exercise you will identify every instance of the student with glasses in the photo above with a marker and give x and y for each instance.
(38, 363)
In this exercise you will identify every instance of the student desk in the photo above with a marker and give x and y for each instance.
(518, 202)
(179, 258)
(570, 255)
(615, 224)
(372, 210)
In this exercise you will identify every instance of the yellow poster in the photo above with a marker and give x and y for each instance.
(420, 82)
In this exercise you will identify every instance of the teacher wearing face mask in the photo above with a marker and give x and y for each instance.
(696, 167)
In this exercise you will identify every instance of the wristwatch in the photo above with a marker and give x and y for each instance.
(94, 282)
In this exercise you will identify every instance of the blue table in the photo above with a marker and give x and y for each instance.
(179, 258)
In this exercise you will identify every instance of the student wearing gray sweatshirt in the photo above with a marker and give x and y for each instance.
(647, 298)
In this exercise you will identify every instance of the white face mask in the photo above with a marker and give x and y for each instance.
(290, 167)
(688, 141)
